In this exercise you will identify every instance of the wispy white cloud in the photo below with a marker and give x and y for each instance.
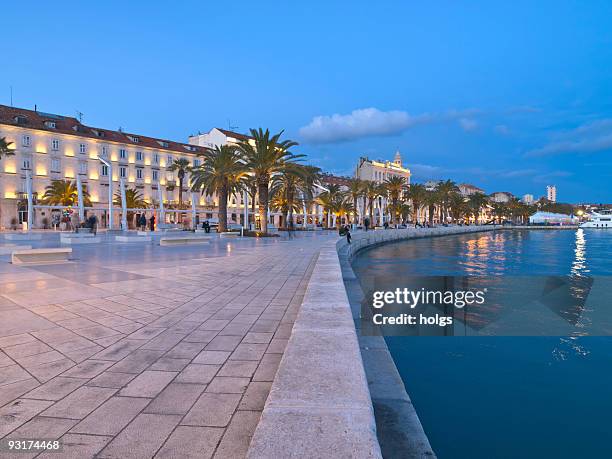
(502, 129)
(369, 122)
(468, 124)
(592, 137)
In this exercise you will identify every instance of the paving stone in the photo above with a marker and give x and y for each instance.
(201, 336)
(239, 368)
(248, 351)
(42, 427)
(119, 350)
(148, 384)
(185, 350)
(55, 389)
(79, 403)
(255, 396)
(197, 374)
(112, 416)
(223, 343)
(169, 364)
(212, 410)
(228, 385)
(267, 368)
(46, 371)
(18, 412)
(212, 357)
(277, 346)
(191, 443)
(176, 398)
(11, 374)
(112, 379)
(27, 349)
(12, 391)
(39, 359)
(78, 446)
(258, 338)
(142, 437)
(237, 437)
(13, 340)
(88, 369)
(137, 361)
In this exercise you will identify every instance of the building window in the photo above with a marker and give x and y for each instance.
(155, 176)
(104, 170)
(170, 177)
(196, 163)
(82, 148)
(139, 173)
(139, 156)
(82, 168)
(169, 160)
(55, 165)
(122, 153)
(26, 141)
(155, 158)
(55, 144)
(26, 164)
(122, 172)
(104, 151)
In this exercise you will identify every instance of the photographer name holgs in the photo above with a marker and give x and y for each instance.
(413, 298)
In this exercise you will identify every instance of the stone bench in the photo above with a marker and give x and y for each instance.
(48, 255)
(79, 238)
(229, 234)
(184, 240)
(137, 238)
(23, 236)
(7, 249)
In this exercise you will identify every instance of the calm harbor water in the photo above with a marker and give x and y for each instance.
(507, 396)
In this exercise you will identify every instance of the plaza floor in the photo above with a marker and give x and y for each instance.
(137, 351)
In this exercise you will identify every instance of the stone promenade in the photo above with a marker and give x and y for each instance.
(137, 352)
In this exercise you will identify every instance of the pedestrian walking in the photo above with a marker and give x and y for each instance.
(366, 223)
(347, 232)
(152, 222)
(142, 223)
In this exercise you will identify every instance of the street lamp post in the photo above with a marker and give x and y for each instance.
(110, 191)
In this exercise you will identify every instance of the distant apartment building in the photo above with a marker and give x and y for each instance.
(379, 171)
(218, 137)
(551, 193)
(501, 196)
(527, 199)
(55, 147)
(467, 189)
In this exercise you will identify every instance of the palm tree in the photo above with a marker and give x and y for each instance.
(293, 182)
(133, 200)
(431, 200)
(249, 183)
(458, 207)
(5, 150)
(343, 207)
(445, 191)
(221, 173)
(329, 200)
(395, 186)
(356, 190)
(476, 202)
(181, 166)
(267, 157)
(417, 194)
(372, 191)
(64, 193)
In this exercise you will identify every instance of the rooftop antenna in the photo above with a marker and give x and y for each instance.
(79, 116)
(230, 127)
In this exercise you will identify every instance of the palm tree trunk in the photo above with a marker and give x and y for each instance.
(223, 208)
(263, 205)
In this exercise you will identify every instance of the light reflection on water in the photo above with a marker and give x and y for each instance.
(482, 397)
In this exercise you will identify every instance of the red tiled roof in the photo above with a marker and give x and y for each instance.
(235, 135)
(72, 126)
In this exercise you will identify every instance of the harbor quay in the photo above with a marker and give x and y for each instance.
(240, 347)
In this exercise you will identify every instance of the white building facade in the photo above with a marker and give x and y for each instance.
(551, 193)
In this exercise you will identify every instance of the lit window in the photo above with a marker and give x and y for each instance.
(82, 168)
(55, 144)
(139, 173)
(26, 140)
(82, 148)
(104, 170)
(139, 156)
(155, 176)
(122, 172)
(122, 153)
(170, 177)
(55, 165)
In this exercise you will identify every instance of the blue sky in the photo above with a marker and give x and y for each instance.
(510, 96)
